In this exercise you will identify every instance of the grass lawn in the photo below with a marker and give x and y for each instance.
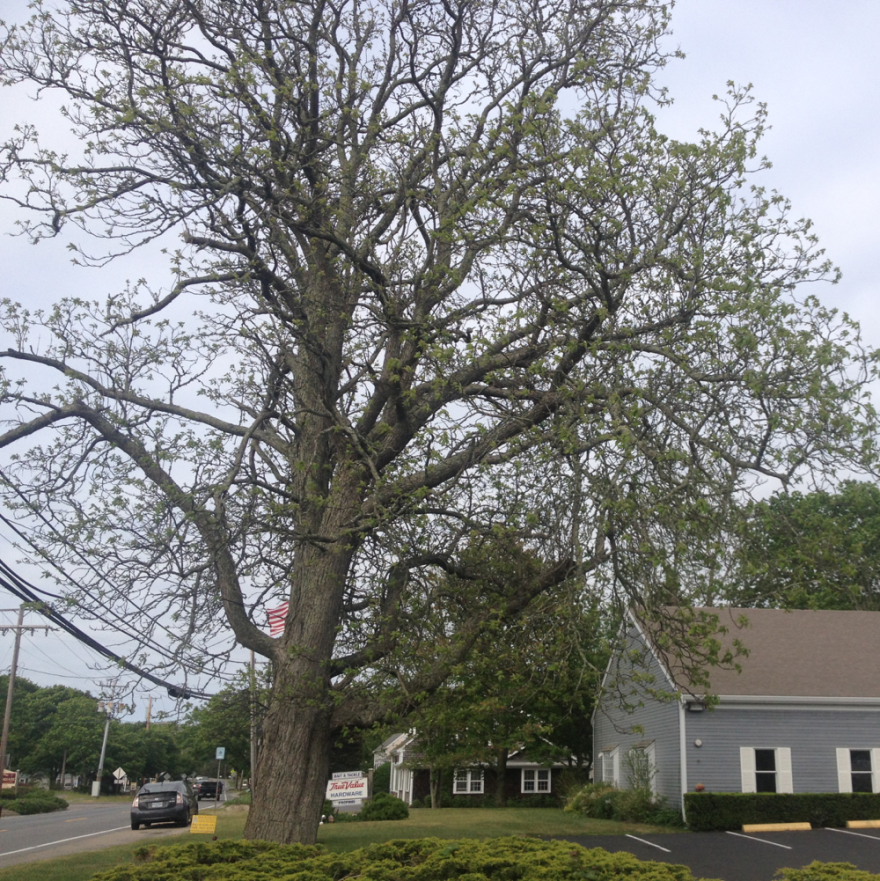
(422, 823)
(473, 823)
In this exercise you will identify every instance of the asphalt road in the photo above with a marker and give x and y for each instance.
(82, 827)
(737, 857)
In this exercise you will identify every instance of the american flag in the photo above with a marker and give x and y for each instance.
(276, 619)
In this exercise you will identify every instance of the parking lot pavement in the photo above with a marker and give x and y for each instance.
(733, 856)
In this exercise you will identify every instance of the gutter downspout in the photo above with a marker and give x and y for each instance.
(682, 753)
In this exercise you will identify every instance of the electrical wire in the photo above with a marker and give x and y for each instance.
(26, 592)
(146, 642)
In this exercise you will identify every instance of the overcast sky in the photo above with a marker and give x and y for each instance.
(814, 63)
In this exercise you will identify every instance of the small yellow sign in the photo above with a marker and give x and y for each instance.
(204, 824)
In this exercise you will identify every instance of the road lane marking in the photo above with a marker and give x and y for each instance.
(847, 832)
(76, 820)
(9, 853)
(649, 843)
(763, 840)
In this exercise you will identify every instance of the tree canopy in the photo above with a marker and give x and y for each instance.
(428, 270)
(818, 550)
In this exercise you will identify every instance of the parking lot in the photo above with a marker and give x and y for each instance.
(733, 856)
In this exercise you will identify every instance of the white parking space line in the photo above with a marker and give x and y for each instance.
(848, 832)
(9, 853)
(762, 840)
(649, 843)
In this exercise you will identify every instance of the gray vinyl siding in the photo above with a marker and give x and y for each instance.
(657, 719)
(812, 734)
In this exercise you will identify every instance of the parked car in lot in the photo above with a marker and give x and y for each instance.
(173, 801)
(208, 788)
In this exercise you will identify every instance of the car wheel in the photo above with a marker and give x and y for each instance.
(135, 825)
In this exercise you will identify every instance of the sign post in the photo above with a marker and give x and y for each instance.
(220, 754)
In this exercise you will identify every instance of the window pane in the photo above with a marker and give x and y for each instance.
(765, 782)
(861, 760)
(862, 783)
(765, 760)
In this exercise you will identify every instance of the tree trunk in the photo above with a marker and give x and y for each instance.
(436, 783)
(501, 777)
(292, 766)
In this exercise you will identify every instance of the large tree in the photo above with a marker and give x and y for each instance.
(427, 268)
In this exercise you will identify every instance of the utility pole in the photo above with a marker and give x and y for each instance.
(19, 628)
(108, 707)
(149, 711)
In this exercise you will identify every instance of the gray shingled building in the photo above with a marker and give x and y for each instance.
(803, 715)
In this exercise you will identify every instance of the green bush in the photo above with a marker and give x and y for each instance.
(603, 802)
(825, 872)
(383, 806)
(37, 802)
(426, 859)
(718, 811)
(382, 778)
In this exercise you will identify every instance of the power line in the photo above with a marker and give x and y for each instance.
(148, 643)
(26, 592)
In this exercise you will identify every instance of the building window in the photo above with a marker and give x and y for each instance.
(860, 762)
(858, 770)
(766, 770)
(610, 765)
(536, 780)
(468, 783)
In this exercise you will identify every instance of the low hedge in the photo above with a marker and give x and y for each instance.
(425, 859)
(719, 811)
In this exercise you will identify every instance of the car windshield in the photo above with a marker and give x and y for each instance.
(160, 787)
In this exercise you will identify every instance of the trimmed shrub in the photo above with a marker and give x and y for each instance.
(719, 811)
(426, 859)
(383, 806)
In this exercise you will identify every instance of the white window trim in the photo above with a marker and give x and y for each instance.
(784, 777)
(844, 768)
(535, 771)
(470, 777)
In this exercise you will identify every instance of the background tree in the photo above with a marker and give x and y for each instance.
(818, 550)
(224, 720)
(527, 684)
(431, 259)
